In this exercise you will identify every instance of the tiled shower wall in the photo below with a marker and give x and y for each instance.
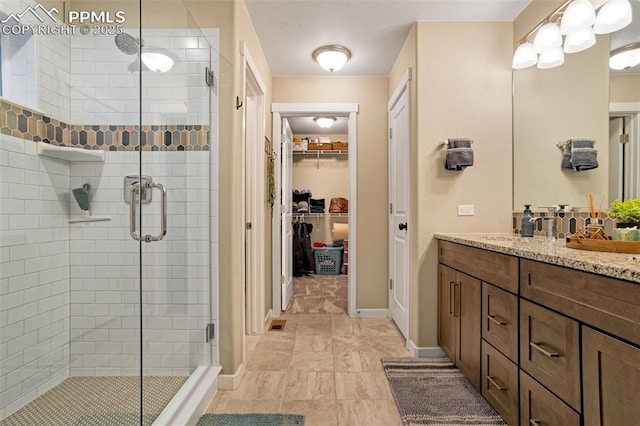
(105, 265)
(34, 273)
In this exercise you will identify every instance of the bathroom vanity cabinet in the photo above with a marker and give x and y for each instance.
(554, 345)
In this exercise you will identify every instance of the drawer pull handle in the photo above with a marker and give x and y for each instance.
(496, 320)
(543, 350)
(534, 422)
(496, 384)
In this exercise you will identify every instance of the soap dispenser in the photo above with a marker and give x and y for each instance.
(527, 226)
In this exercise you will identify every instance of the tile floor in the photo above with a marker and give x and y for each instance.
(325, 366)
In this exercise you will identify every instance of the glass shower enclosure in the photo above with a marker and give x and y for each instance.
(106, 156)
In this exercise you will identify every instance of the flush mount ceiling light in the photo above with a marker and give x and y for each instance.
(331, 58)
(625, 44)
(613, 16)
(324, 122)
(156, 61)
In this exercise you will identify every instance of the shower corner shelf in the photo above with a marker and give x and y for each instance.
(70, 154)
(86, 219)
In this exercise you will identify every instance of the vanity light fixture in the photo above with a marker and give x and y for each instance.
(332, 57)
(579, 15)
(551, 58)
(614, 15)
(324, 122)
(579, 41)
(524, 57)
(547, 37)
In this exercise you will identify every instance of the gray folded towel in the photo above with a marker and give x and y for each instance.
(566, 157)
(459, 154)
(582, 143)
(584, 158)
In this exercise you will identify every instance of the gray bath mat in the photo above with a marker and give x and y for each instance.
(251, 420)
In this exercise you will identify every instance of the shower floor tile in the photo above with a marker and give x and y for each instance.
(98, 401)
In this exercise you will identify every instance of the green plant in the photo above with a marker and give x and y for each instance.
(627, 211)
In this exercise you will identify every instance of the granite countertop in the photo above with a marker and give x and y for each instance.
(616, 265)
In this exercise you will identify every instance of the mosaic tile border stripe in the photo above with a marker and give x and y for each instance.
(567, 223)
(27, 124)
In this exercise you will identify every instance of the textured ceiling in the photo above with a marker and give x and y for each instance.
(374, 30)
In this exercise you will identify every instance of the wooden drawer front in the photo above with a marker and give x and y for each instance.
(550, 351)
(606, 303)
(500, 383)
(500, 320)
(538, 406)
(496, 268)
(611, 380)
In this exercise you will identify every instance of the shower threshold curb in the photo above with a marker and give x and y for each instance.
(192, 399)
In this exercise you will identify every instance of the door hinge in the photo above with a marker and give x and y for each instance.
(624, 138)
(390, 208)
(390, 284)
(210, 332)
(209, 77)
(283, 279)
(390, 133)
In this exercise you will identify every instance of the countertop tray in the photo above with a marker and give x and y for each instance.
(612, 246)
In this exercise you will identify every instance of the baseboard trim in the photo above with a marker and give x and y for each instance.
(372, 313)
(425, 352)
(267, 320)
(231, 381)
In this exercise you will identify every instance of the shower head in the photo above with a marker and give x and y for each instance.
(82, 196)
(127, 43)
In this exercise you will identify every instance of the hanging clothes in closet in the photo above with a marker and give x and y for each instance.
(303, 263)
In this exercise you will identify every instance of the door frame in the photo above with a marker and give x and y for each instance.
(631, 111)
(279, 111)
(403, 86)
(254, 176)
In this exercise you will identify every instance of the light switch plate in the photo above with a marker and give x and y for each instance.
(465, 210)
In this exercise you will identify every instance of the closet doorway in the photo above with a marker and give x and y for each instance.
(320, 224)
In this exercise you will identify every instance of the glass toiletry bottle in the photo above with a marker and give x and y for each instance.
(527, 226)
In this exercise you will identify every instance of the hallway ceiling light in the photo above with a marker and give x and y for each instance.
(324, 122)
(625, 44)
(613, 16)
(580, 15)
(156, 61)
(331, 58)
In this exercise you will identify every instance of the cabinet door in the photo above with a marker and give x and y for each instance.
(447, 321)
(539, 407)
(550, 351)
(500, 383)
(611, 380)
(468, 312)
(500, 320)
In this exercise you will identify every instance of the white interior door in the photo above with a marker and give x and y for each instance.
(616, 158)
(287, 228)
(399, 121)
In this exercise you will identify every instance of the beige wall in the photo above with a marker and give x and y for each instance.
(232, 18)
(554, 105)
(466, 97)
(625, 88)
(370, 93)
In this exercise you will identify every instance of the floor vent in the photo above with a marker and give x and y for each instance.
(277, 324)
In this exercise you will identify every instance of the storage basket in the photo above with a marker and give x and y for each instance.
(328, 260)
(340, 146)
(320, 146)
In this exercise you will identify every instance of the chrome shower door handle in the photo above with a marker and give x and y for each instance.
(163, 212)
(135, 189)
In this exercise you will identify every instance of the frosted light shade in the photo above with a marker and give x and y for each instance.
(579, 15)
(158, 62)
(613, 16)
(331, 58)
(551, 58)
(524, 57)
(624, 58)
(324, 122)
(579, 41)
(547, 38)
